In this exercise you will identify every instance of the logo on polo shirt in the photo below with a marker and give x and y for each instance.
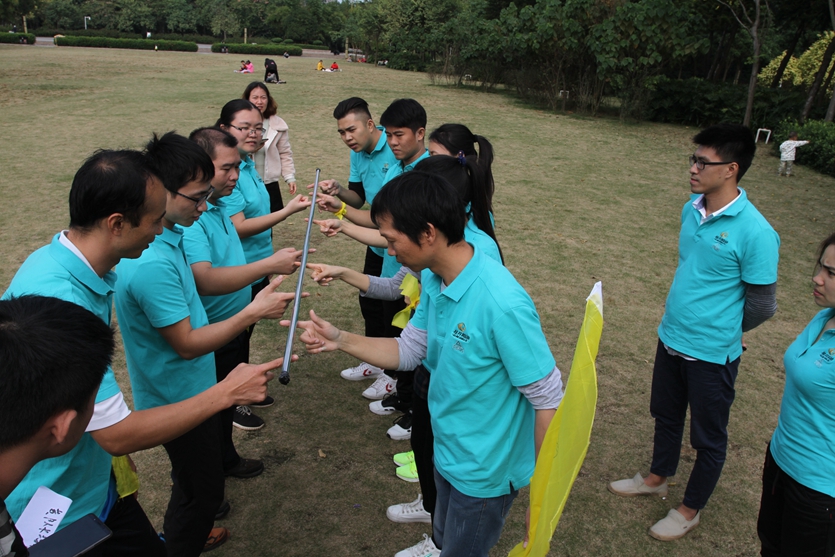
(826, 357)
(720, 240)
(385, 167)
(459, 334)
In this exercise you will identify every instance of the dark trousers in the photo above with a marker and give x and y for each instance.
(133, 534)
(423, 447)
(709, 391)
(197, 493)
(372, 310)
(256, 288)
(276, 203)
(226, 359)
(794, 521)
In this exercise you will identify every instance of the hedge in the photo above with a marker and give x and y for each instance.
(139, 44)
(15, 38)
(114, 34)
(273, 49)
(820, 152)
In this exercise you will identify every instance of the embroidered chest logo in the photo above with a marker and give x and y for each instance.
(720, 240)
(385, 167)
(826, 357)
(460, 336)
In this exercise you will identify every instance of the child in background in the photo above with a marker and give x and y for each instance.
(787, 153)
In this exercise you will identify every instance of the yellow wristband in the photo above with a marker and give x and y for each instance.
(341, 212)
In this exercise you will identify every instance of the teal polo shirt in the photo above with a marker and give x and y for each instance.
(804, 440)
(83, 474)
(484, 340)
(703, 314)
(390, 264)
(213, 238)
(371, 168)
(155, 291)
(250, 197)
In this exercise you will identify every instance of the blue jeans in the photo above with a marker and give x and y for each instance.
(709, 391)
(467, 526)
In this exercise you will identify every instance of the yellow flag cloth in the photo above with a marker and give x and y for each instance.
(127, 482)
(410, 287)
(567, 440)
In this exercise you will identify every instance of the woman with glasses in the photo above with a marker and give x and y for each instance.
(275, 159)
(797, 510)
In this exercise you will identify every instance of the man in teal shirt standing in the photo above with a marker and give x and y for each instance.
(725, 284)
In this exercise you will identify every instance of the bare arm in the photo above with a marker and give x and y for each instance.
(334, 188)
(542, 420)
(357, 216)
(324, 274)
(216, 281)
(250, 227)
(149, 428)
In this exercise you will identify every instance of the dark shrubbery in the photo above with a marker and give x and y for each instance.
(17, 38)
(820, 153)
(407, 61)
(273, 49)
(114, 34)
(139, 44)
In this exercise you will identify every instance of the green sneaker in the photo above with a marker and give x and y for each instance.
(402, 459)
(408, 473)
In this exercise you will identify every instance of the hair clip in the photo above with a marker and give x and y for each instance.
(462, 159)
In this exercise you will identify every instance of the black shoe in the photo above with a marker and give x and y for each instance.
(388, 405)
(246, 468)
(224, 509)
(266, 403)
(243, 418)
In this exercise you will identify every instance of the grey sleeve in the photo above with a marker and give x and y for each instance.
(760, 305)
(411, 346)
(387, 288)
(545, 394)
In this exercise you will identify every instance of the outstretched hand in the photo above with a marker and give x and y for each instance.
(328, 203)
(271, 304)
(318, 335)
(324, 274)
(329, 227)
(327, 187)
(298, 203)
(247, 383)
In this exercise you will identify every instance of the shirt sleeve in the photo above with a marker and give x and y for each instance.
(760, 257)
(522, 346)
(358, 189)
(234, 203)
(196, 244)
(545, 394)
(162, 299)
(108, 412)
(411, 344)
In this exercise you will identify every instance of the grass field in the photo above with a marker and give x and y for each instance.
(578, 200)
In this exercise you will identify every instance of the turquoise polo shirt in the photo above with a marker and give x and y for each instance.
(213, 238)
(703, 314)
(371, 168)
(250, 197)
(155, 291)
(83, 474)
(804, 440)
(484, 340)
(390, 264)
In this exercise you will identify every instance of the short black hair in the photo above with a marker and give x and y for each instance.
(417, 199)
(178, 161)
(53, 355)
(354, 105)
(210, 138)
(109, 182)
(732, 142)
(404, 113)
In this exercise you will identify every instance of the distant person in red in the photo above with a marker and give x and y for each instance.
(334, 66)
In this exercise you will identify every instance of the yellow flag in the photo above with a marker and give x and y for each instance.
(127, 482)
(410, 288)
(564, 448)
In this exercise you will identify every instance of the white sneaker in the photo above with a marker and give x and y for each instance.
(402, 428)
(425, 548)
(409, 512)
(384, 385)
(360, 372)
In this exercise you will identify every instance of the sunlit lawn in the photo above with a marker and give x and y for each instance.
(578, 200)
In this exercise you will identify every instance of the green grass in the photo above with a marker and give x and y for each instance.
(578, 199)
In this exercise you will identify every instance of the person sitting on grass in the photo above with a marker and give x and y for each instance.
(320, 66)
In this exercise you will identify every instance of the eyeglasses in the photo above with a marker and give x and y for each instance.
(198, 201)
(700, 164)
(249, 131)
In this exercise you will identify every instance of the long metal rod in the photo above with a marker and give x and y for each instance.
(284, 378)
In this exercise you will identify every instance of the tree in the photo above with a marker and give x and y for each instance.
(830, 111)
(819, 77)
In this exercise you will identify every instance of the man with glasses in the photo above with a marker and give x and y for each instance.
(169, 342)
(725, 284)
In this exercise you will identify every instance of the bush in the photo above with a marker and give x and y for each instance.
(820, 153)
(112, 33)
(313, 46)
(276, 50)
(288, 41)
(139, 44)
(15, 38)
(317, 43)
(276, 40)
(406, 61)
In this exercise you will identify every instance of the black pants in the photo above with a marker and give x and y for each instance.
(794, 521)
(256, 288)
(372, 310)
(226, 359)
(197, 493)
(133, 534)
(276, 203)
(708, 389)
(423, 446)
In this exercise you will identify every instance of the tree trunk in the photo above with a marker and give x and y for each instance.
(752, 83)
(728, 59)
(830, 112)
(789, 52)
(714, 65)
(813, 92)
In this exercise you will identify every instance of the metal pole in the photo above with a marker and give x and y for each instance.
(284, 378)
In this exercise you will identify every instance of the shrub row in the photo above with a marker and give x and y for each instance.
(15, 38)
(820, 153)
(139, 44)
(114, 34)
(274, 49)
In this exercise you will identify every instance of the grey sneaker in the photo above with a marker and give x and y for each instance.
(409, 512)
(636, 486)
(673, 526)
(424, 548)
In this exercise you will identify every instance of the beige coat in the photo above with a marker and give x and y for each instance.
(278, 157)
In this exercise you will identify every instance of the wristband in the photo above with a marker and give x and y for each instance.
(342, 210)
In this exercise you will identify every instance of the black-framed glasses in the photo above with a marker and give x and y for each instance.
(198, 201)
(700, 164)
(249, 131)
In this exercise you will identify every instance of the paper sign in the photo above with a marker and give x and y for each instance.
(42, 516)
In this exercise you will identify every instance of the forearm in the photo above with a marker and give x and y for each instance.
(356, 279)
(380, 352)
(363, 234)
(207, 339)
(541, 422)
(760, 305)
(351, 198)
(360, 217)
(150, 428)
(217, 281)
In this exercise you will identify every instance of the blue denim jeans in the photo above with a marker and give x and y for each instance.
(467, 526)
